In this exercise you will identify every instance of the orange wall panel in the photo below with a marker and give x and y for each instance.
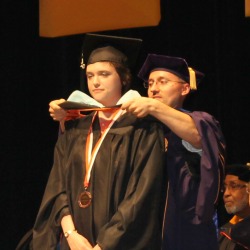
(247, 8)
(68, 17)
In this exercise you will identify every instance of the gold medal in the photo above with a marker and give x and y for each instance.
(85, 199)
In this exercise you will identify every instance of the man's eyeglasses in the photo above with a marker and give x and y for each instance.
(160, 81)
(233, 187)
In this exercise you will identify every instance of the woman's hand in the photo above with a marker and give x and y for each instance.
(75, 240)
(78, 242)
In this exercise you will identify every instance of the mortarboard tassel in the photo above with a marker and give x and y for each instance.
(192, 78)
(83, 85)
(82, 64)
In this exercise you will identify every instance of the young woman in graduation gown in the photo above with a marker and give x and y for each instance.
(105, 185)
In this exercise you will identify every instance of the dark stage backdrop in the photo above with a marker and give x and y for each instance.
(214, 37)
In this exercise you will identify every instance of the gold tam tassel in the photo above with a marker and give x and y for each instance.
(192, 78)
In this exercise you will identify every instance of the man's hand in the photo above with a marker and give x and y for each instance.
(140, 106)
(56, 112)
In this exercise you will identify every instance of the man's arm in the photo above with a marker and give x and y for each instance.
(57, 113)
(180, 123)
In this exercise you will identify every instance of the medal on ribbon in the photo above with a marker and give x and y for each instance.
(85, 198)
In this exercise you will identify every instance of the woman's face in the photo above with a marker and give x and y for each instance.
(104, 83)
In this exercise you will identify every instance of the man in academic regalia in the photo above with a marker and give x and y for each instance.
(235, 235)
(195, 152)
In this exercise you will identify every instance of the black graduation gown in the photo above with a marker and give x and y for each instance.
(126, 184)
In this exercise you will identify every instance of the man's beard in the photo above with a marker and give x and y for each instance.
(237, 208)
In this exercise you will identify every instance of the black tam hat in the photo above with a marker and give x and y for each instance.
(174, 65)
(103, 48)
(240, 170)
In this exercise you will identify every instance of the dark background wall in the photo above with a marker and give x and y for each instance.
(214, 37)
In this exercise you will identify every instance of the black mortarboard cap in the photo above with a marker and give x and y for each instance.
(174, 65)
(100, 48)
(240, 170)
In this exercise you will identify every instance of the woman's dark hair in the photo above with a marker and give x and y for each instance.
(124, 74)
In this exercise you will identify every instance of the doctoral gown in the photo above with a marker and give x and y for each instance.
(235, 236)
(240, 232)
(126, 185)
(193, 187)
